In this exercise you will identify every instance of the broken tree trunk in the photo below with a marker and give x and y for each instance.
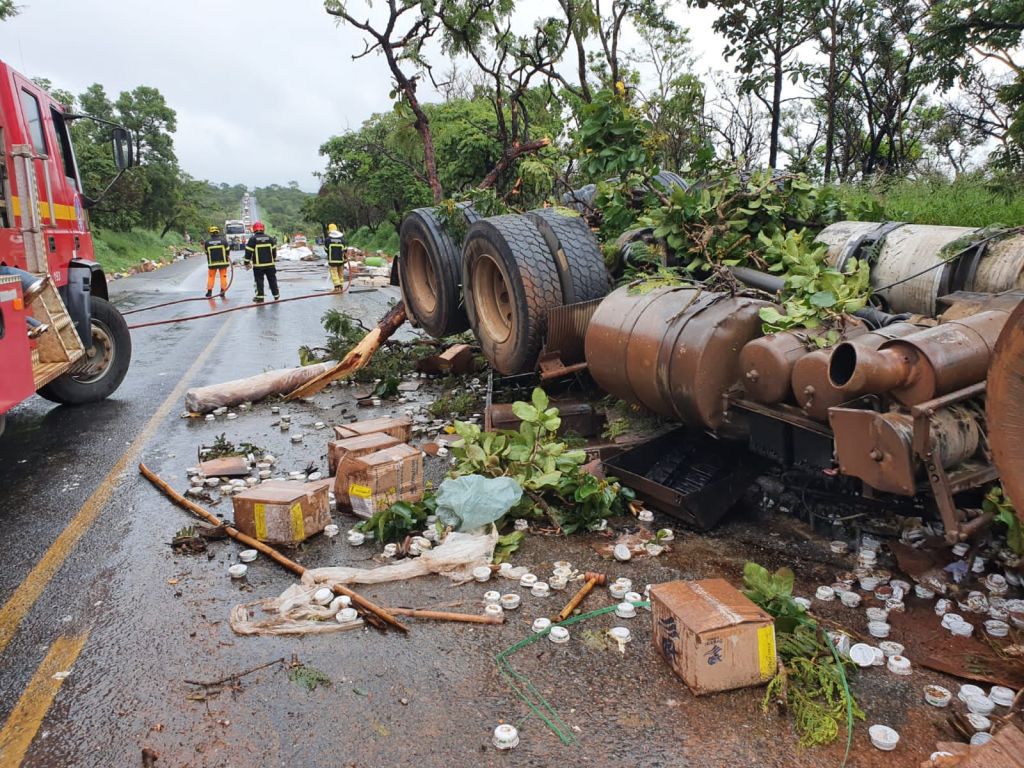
(358, 356)
(273, 554)
(252, 389)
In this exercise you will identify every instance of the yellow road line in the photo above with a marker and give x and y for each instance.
(28, 713)
(17, 607)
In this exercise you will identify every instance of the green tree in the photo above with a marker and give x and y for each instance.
(8, 9)
(763, 37)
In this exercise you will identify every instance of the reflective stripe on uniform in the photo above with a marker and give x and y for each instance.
(263, 254)
(336, 253)
(216, 256)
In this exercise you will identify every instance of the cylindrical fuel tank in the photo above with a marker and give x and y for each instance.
(1004, 409)
(923, 365)
(813, 392)
(1001, 268)
(674, 351)
(912, 270)
(767, 363)
(842, 234)
(878, 448)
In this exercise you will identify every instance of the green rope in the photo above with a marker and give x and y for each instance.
(525, 689)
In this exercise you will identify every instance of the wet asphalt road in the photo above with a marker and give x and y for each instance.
(147, 620)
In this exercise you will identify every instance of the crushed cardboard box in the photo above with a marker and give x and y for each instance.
(372, 482)
(399, 428)
(713, 636)
(354, 447)
(281, 512)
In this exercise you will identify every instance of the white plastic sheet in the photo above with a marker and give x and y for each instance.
(295, 613)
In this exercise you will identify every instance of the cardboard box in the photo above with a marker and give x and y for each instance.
(354, 447)
(712, 636)
(282, 512)
(377, 480)
(398, 428)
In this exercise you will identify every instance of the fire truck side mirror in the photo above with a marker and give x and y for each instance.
(121, 140)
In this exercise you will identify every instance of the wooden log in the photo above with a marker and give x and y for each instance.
(593, 579)
(358, 356)
(466, 618)
(269, 551)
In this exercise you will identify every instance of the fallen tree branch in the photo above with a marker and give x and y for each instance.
(357, 357)
(236, 676)
(273, 554)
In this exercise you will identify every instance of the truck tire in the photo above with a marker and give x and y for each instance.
(510, 283)
(430, 272)
(103, 368)
(577, 256)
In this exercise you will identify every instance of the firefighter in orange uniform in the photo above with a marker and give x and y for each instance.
(217, 260)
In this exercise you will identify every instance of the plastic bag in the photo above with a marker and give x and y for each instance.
(295, 613)
(472, 501)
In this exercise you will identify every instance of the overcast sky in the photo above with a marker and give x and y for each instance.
(258, 85)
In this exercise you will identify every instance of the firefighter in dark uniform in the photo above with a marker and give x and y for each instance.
(261, 253)
(217, 260)
(336, 256)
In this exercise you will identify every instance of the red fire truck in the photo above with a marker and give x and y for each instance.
(84, 353)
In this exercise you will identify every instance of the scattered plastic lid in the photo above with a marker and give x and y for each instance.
(980, 704)
(883, 737)
(978, 722)
(492, 597)
(238, 570)
(558, 635)
(510, 601)
(625, 610)
(355, 538)
(899, 665)
(937, 696)
(645, 516)
(331, 530)
(341, 601)
(505, 737)
(541, 624)
(622, 553)
(346, 615)
(862, 654)
(527, 580)
(825, 594)
(540, 589)
(247, 555)
(839, 547)
(620, 634)
(493, 609)
(878, 629)
(891, 648)
(323, 596)
(482, 573)
(1002, 695)
(980, 738)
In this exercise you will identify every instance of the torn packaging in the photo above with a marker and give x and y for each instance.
(377, 480)
(354, 447)
(282, 512)
(398, 428)
(712, 636)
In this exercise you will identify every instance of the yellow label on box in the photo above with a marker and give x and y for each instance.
(298, 527)
(259, 513)
(766, 651)
(360, 491)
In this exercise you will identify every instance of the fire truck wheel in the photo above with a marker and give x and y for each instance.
(104, 366)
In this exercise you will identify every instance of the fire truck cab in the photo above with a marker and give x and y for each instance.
(84, 353)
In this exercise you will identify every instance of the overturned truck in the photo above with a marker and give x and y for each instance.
(918, 409)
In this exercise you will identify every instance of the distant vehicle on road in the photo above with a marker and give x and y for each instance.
(234, 231)
(84, 353)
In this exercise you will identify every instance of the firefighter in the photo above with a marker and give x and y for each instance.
(217, 260)
(261, 253)
(336, 250)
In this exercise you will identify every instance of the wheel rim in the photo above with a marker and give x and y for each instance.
(422, 286)
(99, 360)
(493, 300)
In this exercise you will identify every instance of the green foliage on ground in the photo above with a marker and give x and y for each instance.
(811, 683)
(384, 239)
(969, 201)
(1002, 508)
(552, 477)
(119, 251)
